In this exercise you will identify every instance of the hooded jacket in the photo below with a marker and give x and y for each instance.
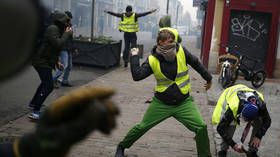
(54, 40)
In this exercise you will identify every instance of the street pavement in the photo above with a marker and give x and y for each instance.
(169, 138)
(17, 92)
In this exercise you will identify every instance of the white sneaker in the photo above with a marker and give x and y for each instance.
(35, 115)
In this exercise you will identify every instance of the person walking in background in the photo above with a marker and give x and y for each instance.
(65, 59)
(46, 59)
(241, 103)
(129, 25)
(169, 64)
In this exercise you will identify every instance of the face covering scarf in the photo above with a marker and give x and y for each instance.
(167, 51)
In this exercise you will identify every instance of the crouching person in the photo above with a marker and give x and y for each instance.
(241, 103)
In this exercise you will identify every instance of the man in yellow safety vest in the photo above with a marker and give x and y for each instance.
(129, 25)
(169, 63)
(241, 103)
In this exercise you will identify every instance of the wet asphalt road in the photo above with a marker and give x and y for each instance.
(16, 92)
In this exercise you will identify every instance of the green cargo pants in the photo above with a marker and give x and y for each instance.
(186, 113)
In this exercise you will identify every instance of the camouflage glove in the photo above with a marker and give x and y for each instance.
(69, 120)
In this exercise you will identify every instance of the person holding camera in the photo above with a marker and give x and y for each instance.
(66, 59)
(46, 59)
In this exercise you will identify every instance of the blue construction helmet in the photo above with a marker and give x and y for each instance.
(250, 111)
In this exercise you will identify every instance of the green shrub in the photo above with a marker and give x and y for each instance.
(99, 39)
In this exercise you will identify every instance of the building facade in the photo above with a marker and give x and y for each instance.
(82, 13)
(249, 27)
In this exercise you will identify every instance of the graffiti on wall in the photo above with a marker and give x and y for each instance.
(248, 28)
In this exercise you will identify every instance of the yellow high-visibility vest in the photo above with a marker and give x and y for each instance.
(229, 99)
(182, 79)
(128, 24)
(174, 31)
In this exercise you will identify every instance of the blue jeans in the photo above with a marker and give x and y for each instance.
(66, 60)
(44, 89)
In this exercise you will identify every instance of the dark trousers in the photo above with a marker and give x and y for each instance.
(130, 41)
(44, 89)
(6, 150)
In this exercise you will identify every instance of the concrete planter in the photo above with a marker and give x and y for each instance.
(97, 54)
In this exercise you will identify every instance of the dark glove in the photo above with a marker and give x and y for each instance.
(69, 120)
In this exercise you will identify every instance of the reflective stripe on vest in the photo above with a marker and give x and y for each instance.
(174, 31)
(182, 78)
(128, 24)
(229, 98)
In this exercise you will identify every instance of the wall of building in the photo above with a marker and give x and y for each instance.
(216, 36)
(277, 64)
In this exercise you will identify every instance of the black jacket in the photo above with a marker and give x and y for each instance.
(228, 118)
(137, 15)
(53, 42)
(173, 95)
(69, 45)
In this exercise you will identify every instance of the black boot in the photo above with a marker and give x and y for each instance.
(222, 153)
(252, 154)
(125, 64)
(119, 152)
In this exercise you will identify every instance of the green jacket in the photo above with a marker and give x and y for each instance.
(53, 42)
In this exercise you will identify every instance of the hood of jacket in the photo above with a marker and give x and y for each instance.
(60, 19)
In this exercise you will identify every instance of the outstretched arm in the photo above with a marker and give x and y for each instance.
(139, 72)
(112, 13)
(195, 63)
(145, 13)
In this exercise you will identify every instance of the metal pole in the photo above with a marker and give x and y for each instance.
(92, 21)
(167, 7)
(177, 15)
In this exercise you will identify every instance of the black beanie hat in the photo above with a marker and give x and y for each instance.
(128, 8)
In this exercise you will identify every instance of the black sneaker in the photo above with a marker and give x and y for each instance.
(125, 64)
(55, 84)
(119, 152)
(252, 154)
(222, 153)
(66, 85)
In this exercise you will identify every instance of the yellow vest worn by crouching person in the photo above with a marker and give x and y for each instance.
(229, 98)
(182, 79)
(128, 24)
